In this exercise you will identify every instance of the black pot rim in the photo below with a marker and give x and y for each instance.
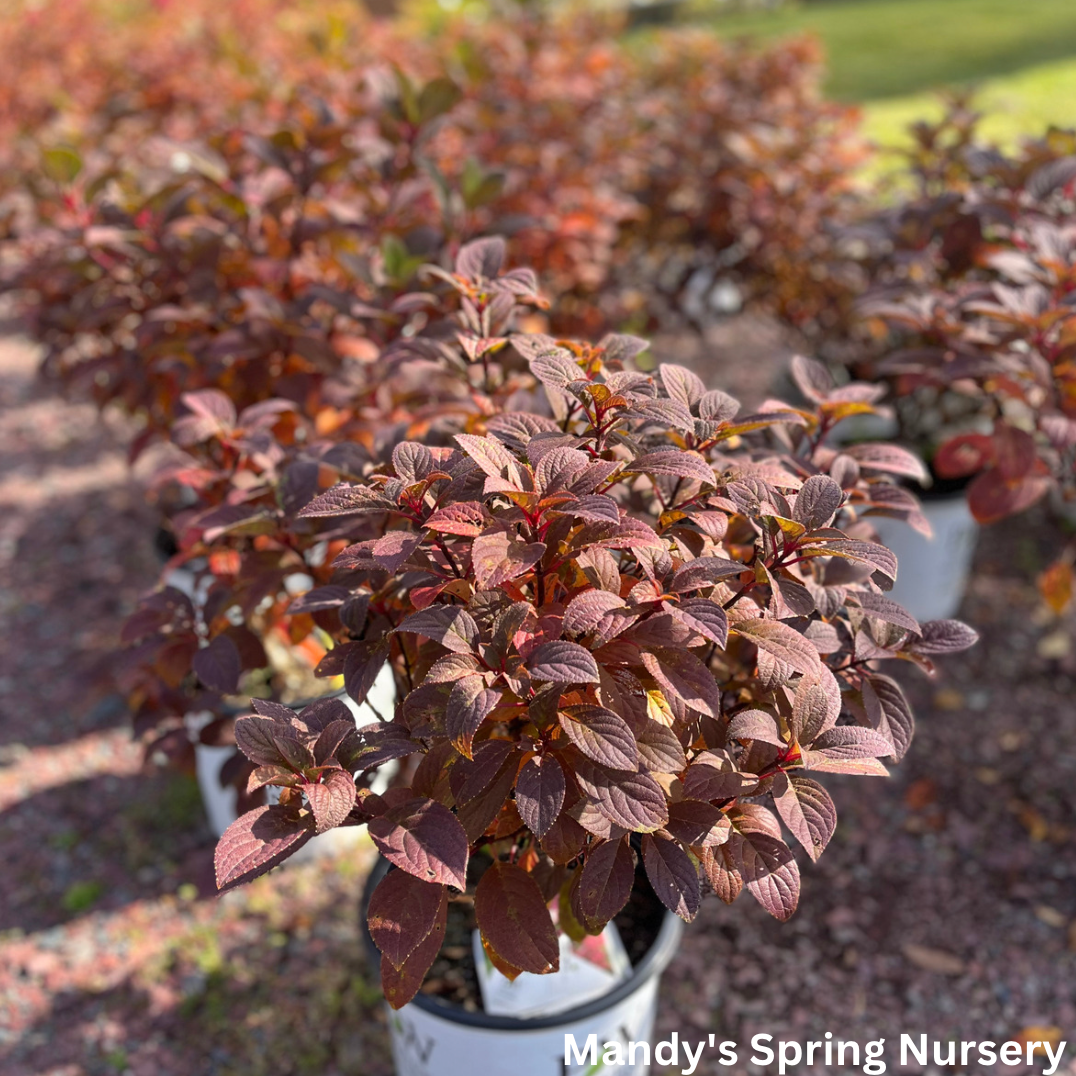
(653, 963)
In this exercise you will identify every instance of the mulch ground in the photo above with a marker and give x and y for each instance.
(946, 903)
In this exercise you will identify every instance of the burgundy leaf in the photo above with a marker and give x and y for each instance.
(681, 384)
(684, 676)
(601, 735)
(784, 643)
(361, 667)
(698, 824)
(514, 920)
(540, 790)
(587, 610)
(469, 703)
(807, 809)
(852, 741)
(497, 558)
(331, 800)
(817, 502)
(704, 616)
(675, 462)
(344, 500)
(218, 665)
(450, 625)
(466, 518)
(257, 841)
(885, 609)
(401, 984)
(704, 572)
(634, 801)
(672, 875)
(401, 914)
(755, 725)
(944, 637)
(425, 839)
(605, 883)
(888, 712)
(261, 741)
(767, 865)
(563, 663)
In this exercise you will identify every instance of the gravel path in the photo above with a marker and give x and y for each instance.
(946, 904)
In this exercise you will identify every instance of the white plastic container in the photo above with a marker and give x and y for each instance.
(932, 573)
(220, 802)
(432, 1038)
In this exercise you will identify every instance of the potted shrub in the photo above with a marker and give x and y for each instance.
(627, 625)
(977, 305)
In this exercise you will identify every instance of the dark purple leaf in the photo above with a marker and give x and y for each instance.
(425, 839)
(540, 790)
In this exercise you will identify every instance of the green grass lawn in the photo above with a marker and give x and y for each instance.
(893, 56)
(1013, 106)
(892, 48)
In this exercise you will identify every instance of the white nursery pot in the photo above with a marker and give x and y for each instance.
(433, 1038)
(220, 801)
(932, 573)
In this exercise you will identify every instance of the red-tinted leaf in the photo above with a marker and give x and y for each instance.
(713, 776)
(755, 725)
(468, 706)
(784, 643)
(634, 801)
(587, 611)
(852, 741)
(704, 616)
(684, 676)
(605, 883)
(402, 912)
(514, 920)
(361, 667)
(676, 463)
(807, 809)
(821, 762)
(262, 741)
(885, 609)
(257, 841)
(964, 455)
(817, 502)
(704, 572)
(891, 459)
(497, 558)
(681, 384)
(563, 663)
(722, 871)
(481, 259)
(218, 665)
(945, 637)
(331, 800)
(659, 749)
(402, 984)
(392, 549)
(816, 706)
(767, 865)
(425, 839)
(450, 625)
(601, 735)
(888, 712)
(467, 519)
(672, 875)
(411, 461)
(540, 793)
(344, 500)
(698, 824)
(492, 457)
